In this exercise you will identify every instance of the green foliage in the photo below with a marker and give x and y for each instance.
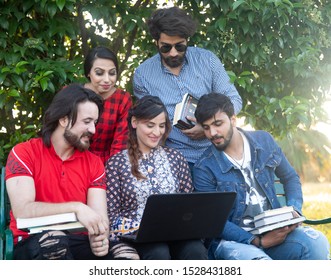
(319, 210)
(285, 45)
(277, 53)
(308, 152)
(34, 62)
(315, 207)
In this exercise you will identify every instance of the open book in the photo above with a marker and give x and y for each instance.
(184, 109)
(65, 221)
(275, 218)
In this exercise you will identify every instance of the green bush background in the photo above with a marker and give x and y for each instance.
(317, 204)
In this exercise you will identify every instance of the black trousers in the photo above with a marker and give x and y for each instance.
(75, 246)
(174, 250)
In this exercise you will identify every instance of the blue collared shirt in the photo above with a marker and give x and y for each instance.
(202, 73)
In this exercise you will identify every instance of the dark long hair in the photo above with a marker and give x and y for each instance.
(146, 108)
(98, 52)
(65, 104)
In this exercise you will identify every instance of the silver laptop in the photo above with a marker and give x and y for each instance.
(183, 216)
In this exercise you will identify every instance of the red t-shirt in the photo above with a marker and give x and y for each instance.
(55, 180)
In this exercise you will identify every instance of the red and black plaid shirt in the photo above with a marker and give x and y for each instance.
(112, 129)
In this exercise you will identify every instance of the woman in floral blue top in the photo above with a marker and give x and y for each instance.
(145, 168)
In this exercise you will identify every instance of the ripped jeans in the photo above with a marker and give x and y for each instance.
(47, 245)
(304, 243)
(56, 245)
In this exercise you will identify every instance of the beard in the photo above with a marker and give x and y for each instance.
(173, 61)
(227, 140)
(76, 141)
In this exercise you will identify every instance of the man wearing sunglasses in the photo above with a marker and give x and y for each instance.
(178, 69)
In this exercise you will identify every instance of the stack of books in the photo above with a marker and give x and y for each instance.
(65, 221)
(184, 109)
(275, 218)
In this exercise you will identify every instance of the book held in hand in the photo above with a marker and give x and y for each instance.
(65, 221)
(273, 212)
(270, 227)
(184, 109)
(275, 218)
(70, 226)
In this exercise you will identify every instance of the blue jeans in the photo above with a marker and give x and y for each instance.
(304, 243)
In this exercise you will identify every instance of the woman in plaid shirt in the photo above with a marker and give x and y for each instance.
(101, 69)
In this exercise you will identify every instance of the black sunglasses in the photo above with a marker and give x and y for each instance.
(167, 47)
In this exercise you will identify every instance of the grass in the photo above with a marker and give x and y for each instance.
(317, 204)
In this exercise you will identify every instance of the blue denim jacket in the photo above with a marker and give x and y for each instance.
(214, 172)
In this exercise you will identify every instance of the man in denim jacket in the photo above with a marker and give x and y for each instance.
(246, 162)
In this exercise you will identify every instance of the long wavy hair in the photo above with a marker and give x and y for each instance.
(146, 108)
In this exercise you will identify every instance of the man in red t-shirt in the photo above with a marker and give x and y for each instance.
(56, 174)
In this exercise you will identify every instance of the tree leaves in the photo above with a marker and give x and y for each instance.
(277, 53)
